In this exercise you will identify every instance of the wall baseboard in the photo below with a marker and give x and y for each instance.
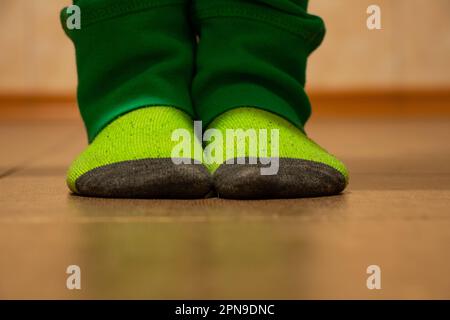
(382, 103)
(357, 103)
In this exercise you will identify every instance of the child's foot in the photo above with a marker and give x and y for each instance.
(305, 169)
(131, 158)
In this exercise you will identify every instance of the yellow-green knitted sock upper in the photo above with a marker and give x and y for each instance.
(293, 143)
(141, 134)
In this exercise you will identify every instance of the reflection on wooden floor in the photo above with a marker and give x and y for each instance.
(395, 214)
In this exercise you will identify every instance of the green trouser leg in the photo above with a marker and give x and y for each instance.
(131, 54)
(253, 53)
(135, 65)
(250, 77)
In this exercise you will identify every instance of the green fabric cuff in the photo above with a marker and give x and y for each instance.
(131, 54)
(252, 54)
(94, 11)
(288, 15)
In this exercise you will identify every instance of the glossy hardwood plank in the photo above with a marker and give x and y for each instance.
(395, 214)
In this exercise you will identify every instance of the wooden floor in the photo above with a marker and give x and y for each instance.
(395, 214)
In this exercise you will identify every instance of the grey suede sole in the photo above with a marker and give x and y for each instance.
(147, 178)
(296, 178)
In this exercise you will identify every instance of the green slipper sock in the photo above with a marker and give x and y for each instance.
(135, 65)
(305, 169)
(132, 158)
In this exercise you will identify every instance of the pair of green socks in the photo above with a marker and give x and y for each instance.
(139, 82)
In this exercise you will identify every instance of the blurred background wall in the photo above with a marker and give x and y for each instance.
(412, 51)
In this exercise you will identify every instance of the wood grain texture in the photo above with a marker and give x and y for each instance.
(395, 213)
